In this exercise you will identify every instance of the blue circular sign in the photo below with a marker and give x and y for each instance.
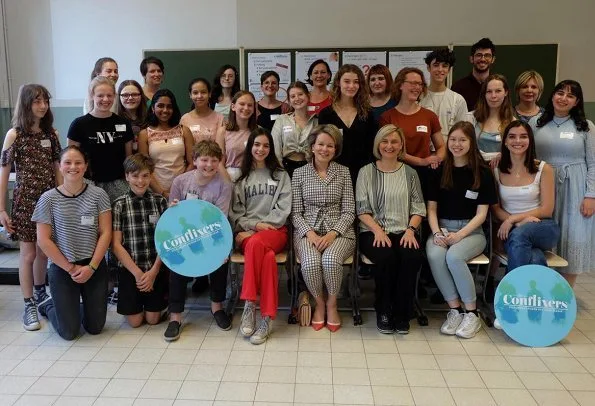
(535, 306)
(193, 238)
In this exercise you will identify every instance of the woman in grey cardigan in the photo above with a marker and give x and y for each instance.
(323, 212)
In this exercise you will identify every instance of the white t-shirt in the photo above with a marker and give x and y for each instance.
(449, 106)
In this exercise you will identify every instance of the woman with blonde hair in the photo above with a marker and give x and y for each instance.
(390, 207)
(528, 88)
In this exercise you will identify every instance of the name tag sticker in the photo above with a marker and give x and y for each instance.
(153, 218)
(120, 127)
(135, 146)
(341, 130)
(87, 220)
(274, 117)
(567, 135)
(525, 189)
(271, 182)
(46, 143)
(287, 128)
(471, 195)
(311, 108)
(421, 129)
(195, 128)
(499, 138)
(191, 196)
(177, 141)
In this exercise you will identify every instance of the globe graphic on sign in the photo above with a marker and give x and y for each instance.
(535, 305)
(193, 238)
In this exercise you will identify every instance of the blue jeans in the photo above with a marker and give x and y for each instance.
(526, 243)
(449, 265)
(65, 311)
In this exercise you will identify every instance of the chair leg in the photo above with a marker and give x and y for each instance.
(420, 315)
(234, 286)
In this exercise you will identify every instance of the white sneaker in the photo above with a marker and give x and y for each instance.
(248, 324)
(470, 325)
(263, 332)
(453, 320)
(497, 324)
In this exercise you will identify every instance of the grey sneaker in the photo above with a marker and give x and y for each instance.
(453, 320)
(263, 332)
(470, 325)
(30, 317)
(40, 296)
(248, 324)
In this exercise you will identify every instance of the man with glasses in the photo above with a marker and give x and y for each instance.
(483, 56)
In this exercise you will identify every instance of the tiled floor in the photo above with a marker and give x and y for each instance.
(357, 365)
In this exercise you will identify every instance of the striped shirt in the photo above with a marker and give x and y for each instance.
(74, 220)
(136, 217)
(391, 198)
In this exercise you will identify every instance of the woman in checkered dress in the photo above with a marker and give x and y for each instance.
(323, 212)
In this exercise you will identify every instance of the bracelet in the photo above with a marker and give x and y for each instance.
(412, 228)
(438, 233)
(93, 267)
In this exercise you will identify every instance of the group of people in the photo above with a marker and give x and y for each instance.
(391, 152)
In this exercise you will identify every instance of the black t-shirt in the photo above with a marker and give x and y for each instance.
(460, 202)
(358, 140)
(103, 139)
(265, 116)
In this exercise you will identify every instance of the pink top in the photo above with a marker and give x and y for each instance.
(235, 144)
(203, 128)
(168, 151)
(314, 108)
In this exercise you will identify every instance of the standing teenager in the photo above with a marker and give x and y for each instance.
(108, 68)
(203, 122)
(132, 104)
(225, 85)
(33, 147)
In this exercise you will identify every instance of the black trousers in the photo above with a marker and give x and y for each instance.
(395, 274)
(178, 285)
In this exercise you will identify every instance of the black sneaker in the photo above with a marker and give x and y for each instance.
(364, 272)
(222, 320)
(172, 333)
(384, 323)
(402, 327)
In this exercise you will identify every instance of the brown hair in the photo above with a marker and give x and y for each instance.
(482, 110)
(138, 162)
(384, 71)
(474, 160)
(22, 118)
(361, 99)
(207, 148)
(232, 124)
(400, 79)
(530, 156)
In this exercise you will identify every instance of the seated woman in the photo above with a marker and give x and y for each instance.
(290, 132)
(268, 109)
(390, 207)
(74, 229)
(261, 204)
(323, 211)
(459, 196)
(526, 194)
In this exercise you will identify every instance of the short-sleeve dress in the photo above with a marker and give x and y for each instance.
(34, 155)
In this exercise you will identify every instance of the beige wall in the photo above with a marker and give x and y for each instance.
(357, 23)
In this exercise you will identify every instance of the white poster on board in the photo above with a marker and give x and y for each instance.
(398, 60)
(304, 59)
(364, 60)
(258, 63)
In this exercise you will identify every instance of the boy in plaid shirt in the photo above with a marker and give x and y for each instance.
(142, 275)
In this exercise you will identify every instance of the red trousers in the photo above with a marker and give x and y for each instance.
(260, 268)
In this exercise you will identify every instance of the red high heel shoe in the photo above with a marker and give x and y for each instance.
(317, 325)
(333, 327)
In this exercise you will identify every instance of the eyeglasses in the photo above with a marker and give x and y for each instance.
(129, 95)
(487, 57)
(414, 84)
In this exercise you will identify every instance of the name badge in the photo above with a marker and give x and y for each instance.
(287, 128)
(498, 138)
(195, 128)
(271, 182)
(311, 108)
(46, 143)
(153, 218)
(525, 189)
(341, 130)
(177, 141)
(120, 127)
(87, 220)
(471, 195)
(567, 135)
(191, 196)
(274, 117)
(421, 129)
(245, 143)
(135, 146)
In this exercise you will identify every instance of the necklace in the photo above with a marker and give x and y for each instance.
(559, 124)
(71, 193)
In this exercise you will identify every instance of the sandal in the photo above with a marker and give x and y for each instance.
(304, 309)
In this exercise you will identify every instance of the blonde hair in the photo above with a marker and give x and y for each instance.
(384, 132)
(527, 76)
(98, 81)
(332, 132)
